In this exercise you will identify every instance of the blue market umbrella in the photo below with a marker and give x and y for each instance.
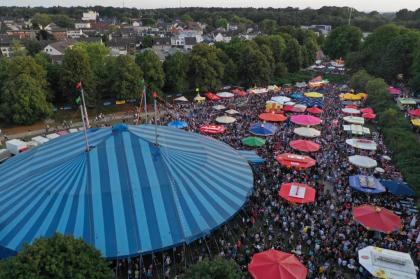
(263, 129)
(398, 188)
(296, 95)
(366, 184)
(178, 124)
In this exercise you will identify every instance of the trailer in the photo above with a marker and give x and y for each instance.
(16, 146)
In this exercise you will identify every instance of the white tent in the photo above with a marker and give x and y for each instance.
(280, 99)
(307, 132)
(73, 130)
(357, 129)
(232, 111)
(362, 161)
(199, 98)
(354, 120)
(379, 170)
(225, 119)
(300, 84)
(40, 140)
(387, 264)
(219, 107)
(351, 110)
(53, 136)
(362, 144)
(225, 95)
(181, 99)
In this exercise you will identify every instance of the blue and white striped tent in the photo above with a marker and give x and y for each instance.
(126, 196)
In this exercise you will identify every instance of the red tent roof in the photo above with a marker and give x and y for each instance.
(304, 145)
(377, 218)
(295, 161)
(212, 129)
(239, 92)
(414, 112)
(297, 192)
(273, 117)
(273, 264)
(288, 108)
(394, 91)
(314, 110)
(367, 110)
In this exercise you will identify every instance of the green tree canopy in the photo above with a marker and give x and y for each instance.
(76, 67)
(176, 69)
(359, 80)
(293, 54)
(214, 269)
(63, 21)
(41, 20)
(124, 78)
(152, 69)
(23, 98)
(342, 40)
(57, 257)
(221, 23)
(206, 70)
(268, 26)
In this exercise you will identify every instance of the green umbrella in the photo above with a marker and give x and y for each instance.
(253, 141)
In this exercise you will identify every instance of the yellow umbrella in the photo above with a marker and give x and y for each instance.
(313, 95)
(351, 97)
(416, 122)
(363, 95)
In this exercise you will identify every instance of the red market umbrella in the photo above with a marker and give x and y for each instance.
(377, 218)
(366, 110)
(273, 264)
(314, 110)
(212, 129)
(211, 96)
(287, 108)
(305, 120)
(369, 115)
(290, 160)
(239, 92)
(297, 192)
(304, 145)
(351, 106)
(414, 112)
(272, 117)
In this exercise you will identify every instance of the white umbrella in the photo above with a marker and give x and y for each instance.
(300, 107)
(357, 129)
(290, 103)
(280, 99)
(307, 132)
(362, 161)
(351, 111)
(181, 99)
(232, 111)
(225, 95)
(199, 98)
(362, 144)
(387, 264)
(219, 107)
(354, 120)
(385, 157)
(380, 170)
(225, 119)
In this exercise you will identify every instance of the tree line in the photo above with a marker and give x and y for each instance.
(30, 84)
(391, 52)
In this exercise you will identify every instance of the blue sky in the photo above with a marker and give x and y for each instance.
(363, 5)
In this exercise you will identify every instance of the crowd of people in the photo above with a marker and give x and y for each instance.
(323, 234)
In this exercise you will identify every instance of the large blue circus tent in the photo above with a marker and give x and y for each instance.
(126, 196)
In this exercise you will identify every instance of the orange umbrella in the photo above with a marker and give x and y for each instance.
(304, 145)
(272, 117)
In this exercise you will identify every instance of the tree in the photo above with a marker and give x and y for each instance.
(268, 26)
(152, 68)
(360, 80)
(76, 67)
(254, 67)
(63, 21)
(124, 78)
(221, 23)
(292, 55)
(206, 70)
(56, 257)
(147, 41)
(214, 269)
(23, 97)
(32, 46)
(41, 20)
(176, 73)
(343, 40)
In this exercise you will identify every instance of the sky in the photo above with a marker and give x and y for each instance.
(361, 5)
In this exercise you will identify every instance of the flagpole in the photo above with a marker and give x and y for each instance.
(145, 101)
(155, 109)
(84, 127)
(85, 118)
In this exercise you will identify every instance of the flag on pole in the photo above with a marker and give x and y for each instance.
(154, 95)
(79, 85)
(77, 101)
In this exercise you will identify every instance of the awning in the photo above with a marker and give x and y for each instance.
(290, 160)
(386, 264)
(362, 161)
(297, 192)
(307, 132)
(366, 184)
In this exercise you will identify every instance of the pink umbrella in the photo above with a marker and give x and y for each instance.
(305, 120)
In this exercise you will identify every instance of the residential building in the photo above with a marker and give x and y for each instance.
(6, 45)
(124, 46)
(82, 25)
(74, 34)
(58, 48)
(190, 42)
(90, 16)
(319, 29)
(22, 34)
